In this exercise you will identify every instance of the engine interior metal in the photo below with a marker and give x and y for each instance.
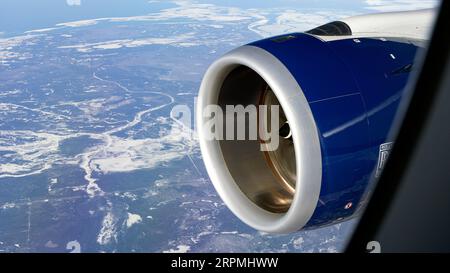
(271, 183)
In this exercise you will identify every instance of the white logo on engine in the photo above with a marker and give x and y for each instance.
(383, 155)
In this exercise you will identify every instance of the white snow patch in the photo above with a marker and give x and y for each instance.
(133, 219)
(125, 155)
(41, 30)
(81, 23)
(107, 233)
(36, 152)
(184, 40)
(8, 206)
(7, 45)
(179, 249)
(297, 242)
(229, 232)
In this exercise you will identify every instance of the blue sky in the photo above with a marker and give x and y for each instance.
(17, 16)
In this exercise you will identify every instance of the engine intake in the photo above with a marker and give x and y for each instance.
(337, 101)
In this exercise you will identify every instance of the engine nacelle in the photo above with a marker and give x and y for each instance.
(338, 94)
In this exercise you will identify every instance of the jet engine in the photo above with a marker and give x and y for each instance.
(337, 88)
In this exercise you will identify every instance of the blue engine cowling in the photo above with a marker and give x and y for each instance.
(352, 89)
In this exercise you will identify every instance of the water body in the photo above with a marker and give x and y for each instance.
(17, 16)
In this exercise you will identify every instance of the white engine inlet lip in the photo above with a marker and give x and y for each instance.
(304, 132)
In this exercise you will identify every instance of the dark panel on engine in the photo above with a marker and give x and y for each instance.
(336, 28)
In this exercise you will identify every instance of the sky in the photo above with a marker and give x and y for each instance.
(17, 16)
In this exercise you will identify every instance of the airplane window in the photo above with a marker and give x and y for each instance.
(197, 126)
